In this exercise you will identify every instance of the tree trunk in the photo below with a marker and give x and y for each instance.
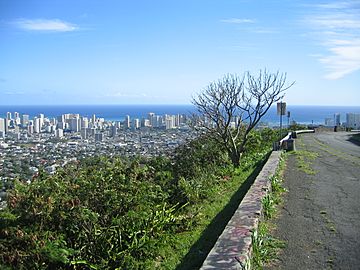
(235, 158)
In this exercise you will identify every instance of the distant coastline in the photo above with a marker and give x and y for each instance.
(305, 114)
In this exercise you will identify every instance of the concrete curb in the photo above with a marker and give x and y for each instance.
(233, 248)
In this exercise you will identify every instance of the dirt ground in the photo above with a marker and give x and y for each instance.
(320, 217)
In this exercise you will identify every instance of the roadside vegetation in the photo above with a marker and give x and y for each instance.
(265, 247)
(304, 161)
(121, 213)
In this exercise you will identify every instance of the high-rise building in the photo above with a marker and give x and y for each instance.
(7, 123)
(59, 133)
(337, 121)
(17, 120)
(8, 116)
(92, 132)
(113, 131)
(136, 123)
(61, 118)
(60, 125)
(75, 124)
(329, 122)
(84, 122)
(177, 120)
(84, 133)
(145, 122)
(2, 127)
(25, 120)
(41, 117)
(158, 121)
(353, 120)
(118, 124)
(53, 121)
(37, 127)
(169, 121)
(30, 127)
(152, 119)
(98, 137)
(127, 121)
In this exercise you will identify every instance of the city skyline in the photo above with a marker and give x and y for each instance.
(162, 52)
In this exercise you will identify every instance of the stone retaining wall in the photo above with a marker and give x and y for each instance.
(233, 248)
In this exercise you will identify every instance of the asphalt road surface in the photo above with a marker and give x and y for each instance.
(320, 218)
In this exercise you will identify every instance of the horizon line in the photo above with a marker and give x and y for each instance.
(162, 104)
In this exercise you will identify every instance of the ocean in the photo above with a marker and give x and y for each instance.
(298, 113)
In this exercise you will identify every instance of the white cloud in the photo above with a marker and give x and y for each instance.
(338, 5)
(264, 31)
(345, 59)
(336, 21)
(238, 20)
(337, 26)
(45, 25)
(14, 93)
(121, 94)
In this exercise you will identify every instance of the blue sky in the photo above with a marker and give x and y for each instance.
(164, 52)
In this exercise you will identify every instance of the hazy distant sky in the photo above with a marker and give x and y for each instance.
(156, 52)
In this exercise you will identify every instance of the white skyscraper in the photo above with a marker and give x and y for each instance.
(25, 119)
(17, 120)
(84, 122)
(152, 119)
(59, 133)
(41, 117)
(136, 123)
(169, 121)
(127, 121)
(2, 127)
(37, 128)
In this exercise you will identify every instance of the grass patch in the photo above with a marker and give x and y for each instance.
(328, 223)
(304, 160)
(338, 153)
(188, 250)
(268, 205)
(265, 247)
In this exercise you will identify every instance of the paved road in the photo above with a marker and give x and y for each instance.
(320, 218)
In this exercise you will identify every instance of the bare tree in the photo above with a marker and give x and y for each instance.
(231, 107)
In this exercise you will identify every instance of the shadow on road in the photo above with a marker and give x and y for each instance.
(355, 139)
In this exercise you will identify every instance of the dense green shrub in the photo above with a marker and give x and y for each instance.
(198, 166)
(102, 212)
(112, 213)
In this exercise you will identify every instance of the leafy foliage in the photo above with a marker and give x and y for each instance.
(230, 108)
(111, 213)
(198, 166)
(102, 212)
